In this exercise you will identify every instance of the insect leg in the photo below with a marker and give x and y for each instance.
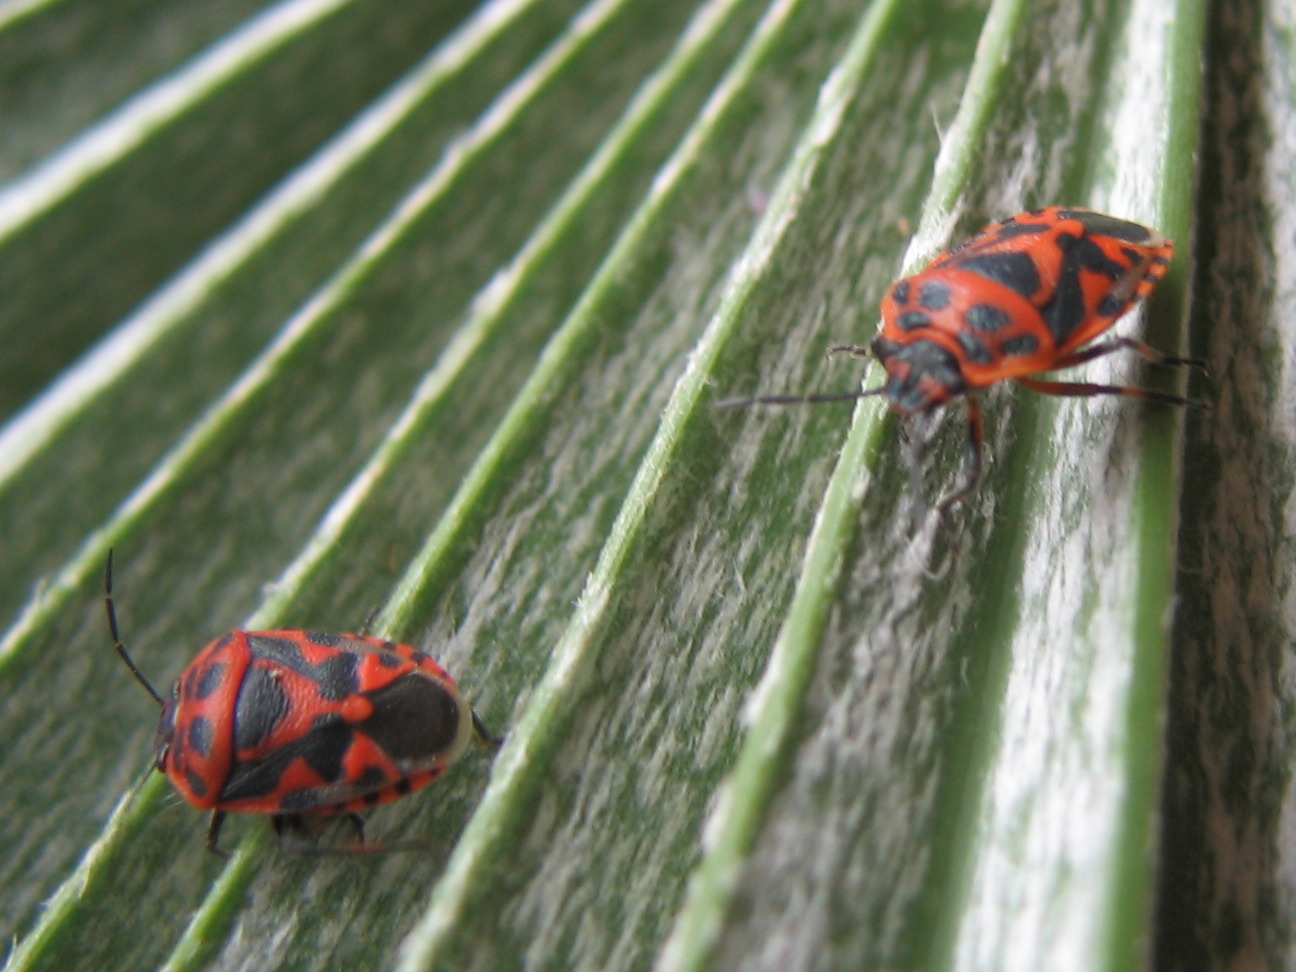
(1083, 389)
(1145, 351)
(971, 459)
(484, 734)
(358, 824)
(213, 833)
(289, 829)
(367, 629)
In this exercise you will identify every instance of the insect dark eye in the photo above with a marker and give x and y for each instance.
(883, 349)
(165, 738)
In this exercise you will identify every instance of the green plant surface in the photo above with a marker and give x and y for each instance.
(321, 308)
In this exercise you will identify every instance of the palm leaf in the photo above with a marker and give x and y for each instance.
(315, 307)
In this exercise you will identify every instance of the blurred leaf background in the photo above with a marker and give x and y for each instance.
(318, 306)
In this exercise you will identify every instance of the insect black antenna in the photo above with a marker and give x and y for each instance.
(117, 642)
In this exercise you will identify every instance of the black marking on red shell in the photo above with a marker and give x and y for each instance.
(200, 735)
(326, 640)
(197, 785)
(389, 659)
(986, 318)
(338, 678)
(975, 348)
(1081, 252)
(414, 718)
(1007, 230)
(934, 295)
(335, 677)
(1011, 229)
(202, 682)
(322, 749)
(1016, 271)
(284, 651)
(1066, 311)
(1110, 306)
(900, 293)
(262, 704)
(1102, 225)
(913, 321)
(1020, 346)
(325, 746)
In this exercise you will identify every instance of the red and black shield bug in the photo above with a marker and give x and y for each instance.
(298, 724)
(1021, 297)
